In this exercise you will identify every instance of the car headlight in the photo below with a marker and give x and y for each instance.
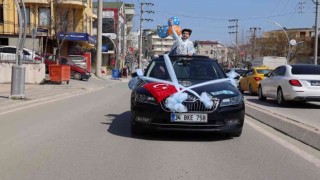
(145, 99)
(231, 101)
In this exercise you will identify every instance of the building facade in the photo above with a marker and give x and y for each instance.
(153, 45)
(213, 49)
(116, 27)
(49, 22)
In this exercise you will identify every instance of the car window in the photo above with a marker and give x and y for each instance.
(26, 53)
(249, 73)
(63, 60)
(187, 70)
(276, 72)
(76, 57)
(263, 71)
(306, 69)
(9, 50)
(241, 71)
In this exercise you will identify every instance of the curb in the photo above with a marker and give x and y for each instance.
(297, 130)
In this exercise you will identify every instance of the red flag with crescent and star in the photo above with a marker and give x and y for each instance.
(160, 91)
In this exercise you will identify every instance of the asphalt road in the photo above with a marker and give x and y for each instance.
(88, 137)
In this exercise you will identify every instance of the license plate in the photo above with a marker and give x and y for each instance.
(315, 83)
(189, 117)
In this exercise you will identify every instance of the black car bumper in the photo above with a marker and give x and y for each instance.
(226, 120)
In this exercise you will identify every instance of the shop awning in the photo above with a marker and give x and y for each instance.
(75, 36)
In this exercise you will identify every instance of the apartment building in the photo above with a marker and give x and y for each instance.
(116, 27)
(47, 22)
(153, 45)
(213, 49)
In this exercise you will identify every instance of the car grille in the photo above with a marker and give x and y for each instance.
(195, 106)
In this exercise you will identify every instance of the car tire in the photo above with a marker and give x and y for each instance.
(135, 128)
(280, 99)
(235, 134)
(77, 76)
(260, 94)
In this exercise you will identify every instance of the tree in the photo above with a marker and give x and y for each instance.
(62, 22)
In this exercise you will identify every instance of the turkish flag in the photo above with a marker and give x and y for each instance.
(160, 91)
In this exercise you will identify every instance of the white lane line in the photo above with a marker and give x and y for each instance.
(312, 159)
(44, 100)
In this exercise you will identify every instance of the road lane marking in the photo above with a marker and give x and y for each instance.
(45, 100)
(312, 159)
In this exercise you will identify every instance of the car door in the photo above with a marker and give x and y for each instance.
(244, 80)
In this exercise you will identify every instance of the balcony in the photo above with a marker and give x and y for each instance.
(74, 3)
(37, 1)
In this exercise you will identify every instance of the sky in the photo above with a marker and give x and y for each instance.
(209, 19)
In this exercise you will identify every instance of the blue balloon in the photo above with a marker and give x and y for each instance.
(163, 31)
(175, 21)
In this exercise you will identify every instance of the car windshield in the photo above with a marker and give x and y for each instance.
(76, 57)
(240, 71)
(263, 71)
(187, 69)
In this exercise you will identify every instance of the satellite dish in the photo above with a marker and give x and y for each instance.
(293, 42)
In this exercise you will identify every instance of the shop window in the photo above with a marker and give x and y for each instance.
(1, 14)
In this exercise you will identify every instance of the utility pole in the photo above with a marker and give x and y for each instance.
(235, 21)
(316, 33)
(301, 7)
(253, 43)
(141, 20)
(235, 26)
(99, 40)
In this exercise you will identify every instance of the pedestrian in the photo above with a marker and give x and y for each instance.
(182, 45)
(124, 72)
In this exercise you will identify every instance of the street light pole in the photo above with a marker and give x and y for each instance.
(285, 32)
(295, 44)
(18, 71)
(316, 34)
(237, 48)
(99, 40)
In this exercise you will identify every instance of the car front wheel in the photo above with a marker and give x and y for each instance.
(77, 76)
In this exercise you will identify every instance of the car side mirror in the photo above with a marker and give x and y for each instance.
(135, 74)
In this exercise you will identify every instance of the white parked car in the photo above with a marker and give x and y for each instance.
(79, 60)
(299, 82)
(9, 53)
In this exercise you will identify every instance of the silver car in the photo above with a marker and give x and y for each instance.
(79, 60)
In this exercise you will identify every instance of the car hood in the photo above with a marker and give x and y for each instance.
(220, 90)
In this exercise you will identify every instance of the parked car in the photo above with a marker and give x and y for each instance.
(250, 81)
(79, 60)
(9, 53)
(299, 82)
(76, 71)
(226, 115)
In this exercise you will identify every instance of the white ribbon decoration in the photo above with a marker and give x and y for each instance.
(174, 102)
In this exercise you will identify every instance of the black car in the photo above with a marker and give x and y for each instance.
(226, 115)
